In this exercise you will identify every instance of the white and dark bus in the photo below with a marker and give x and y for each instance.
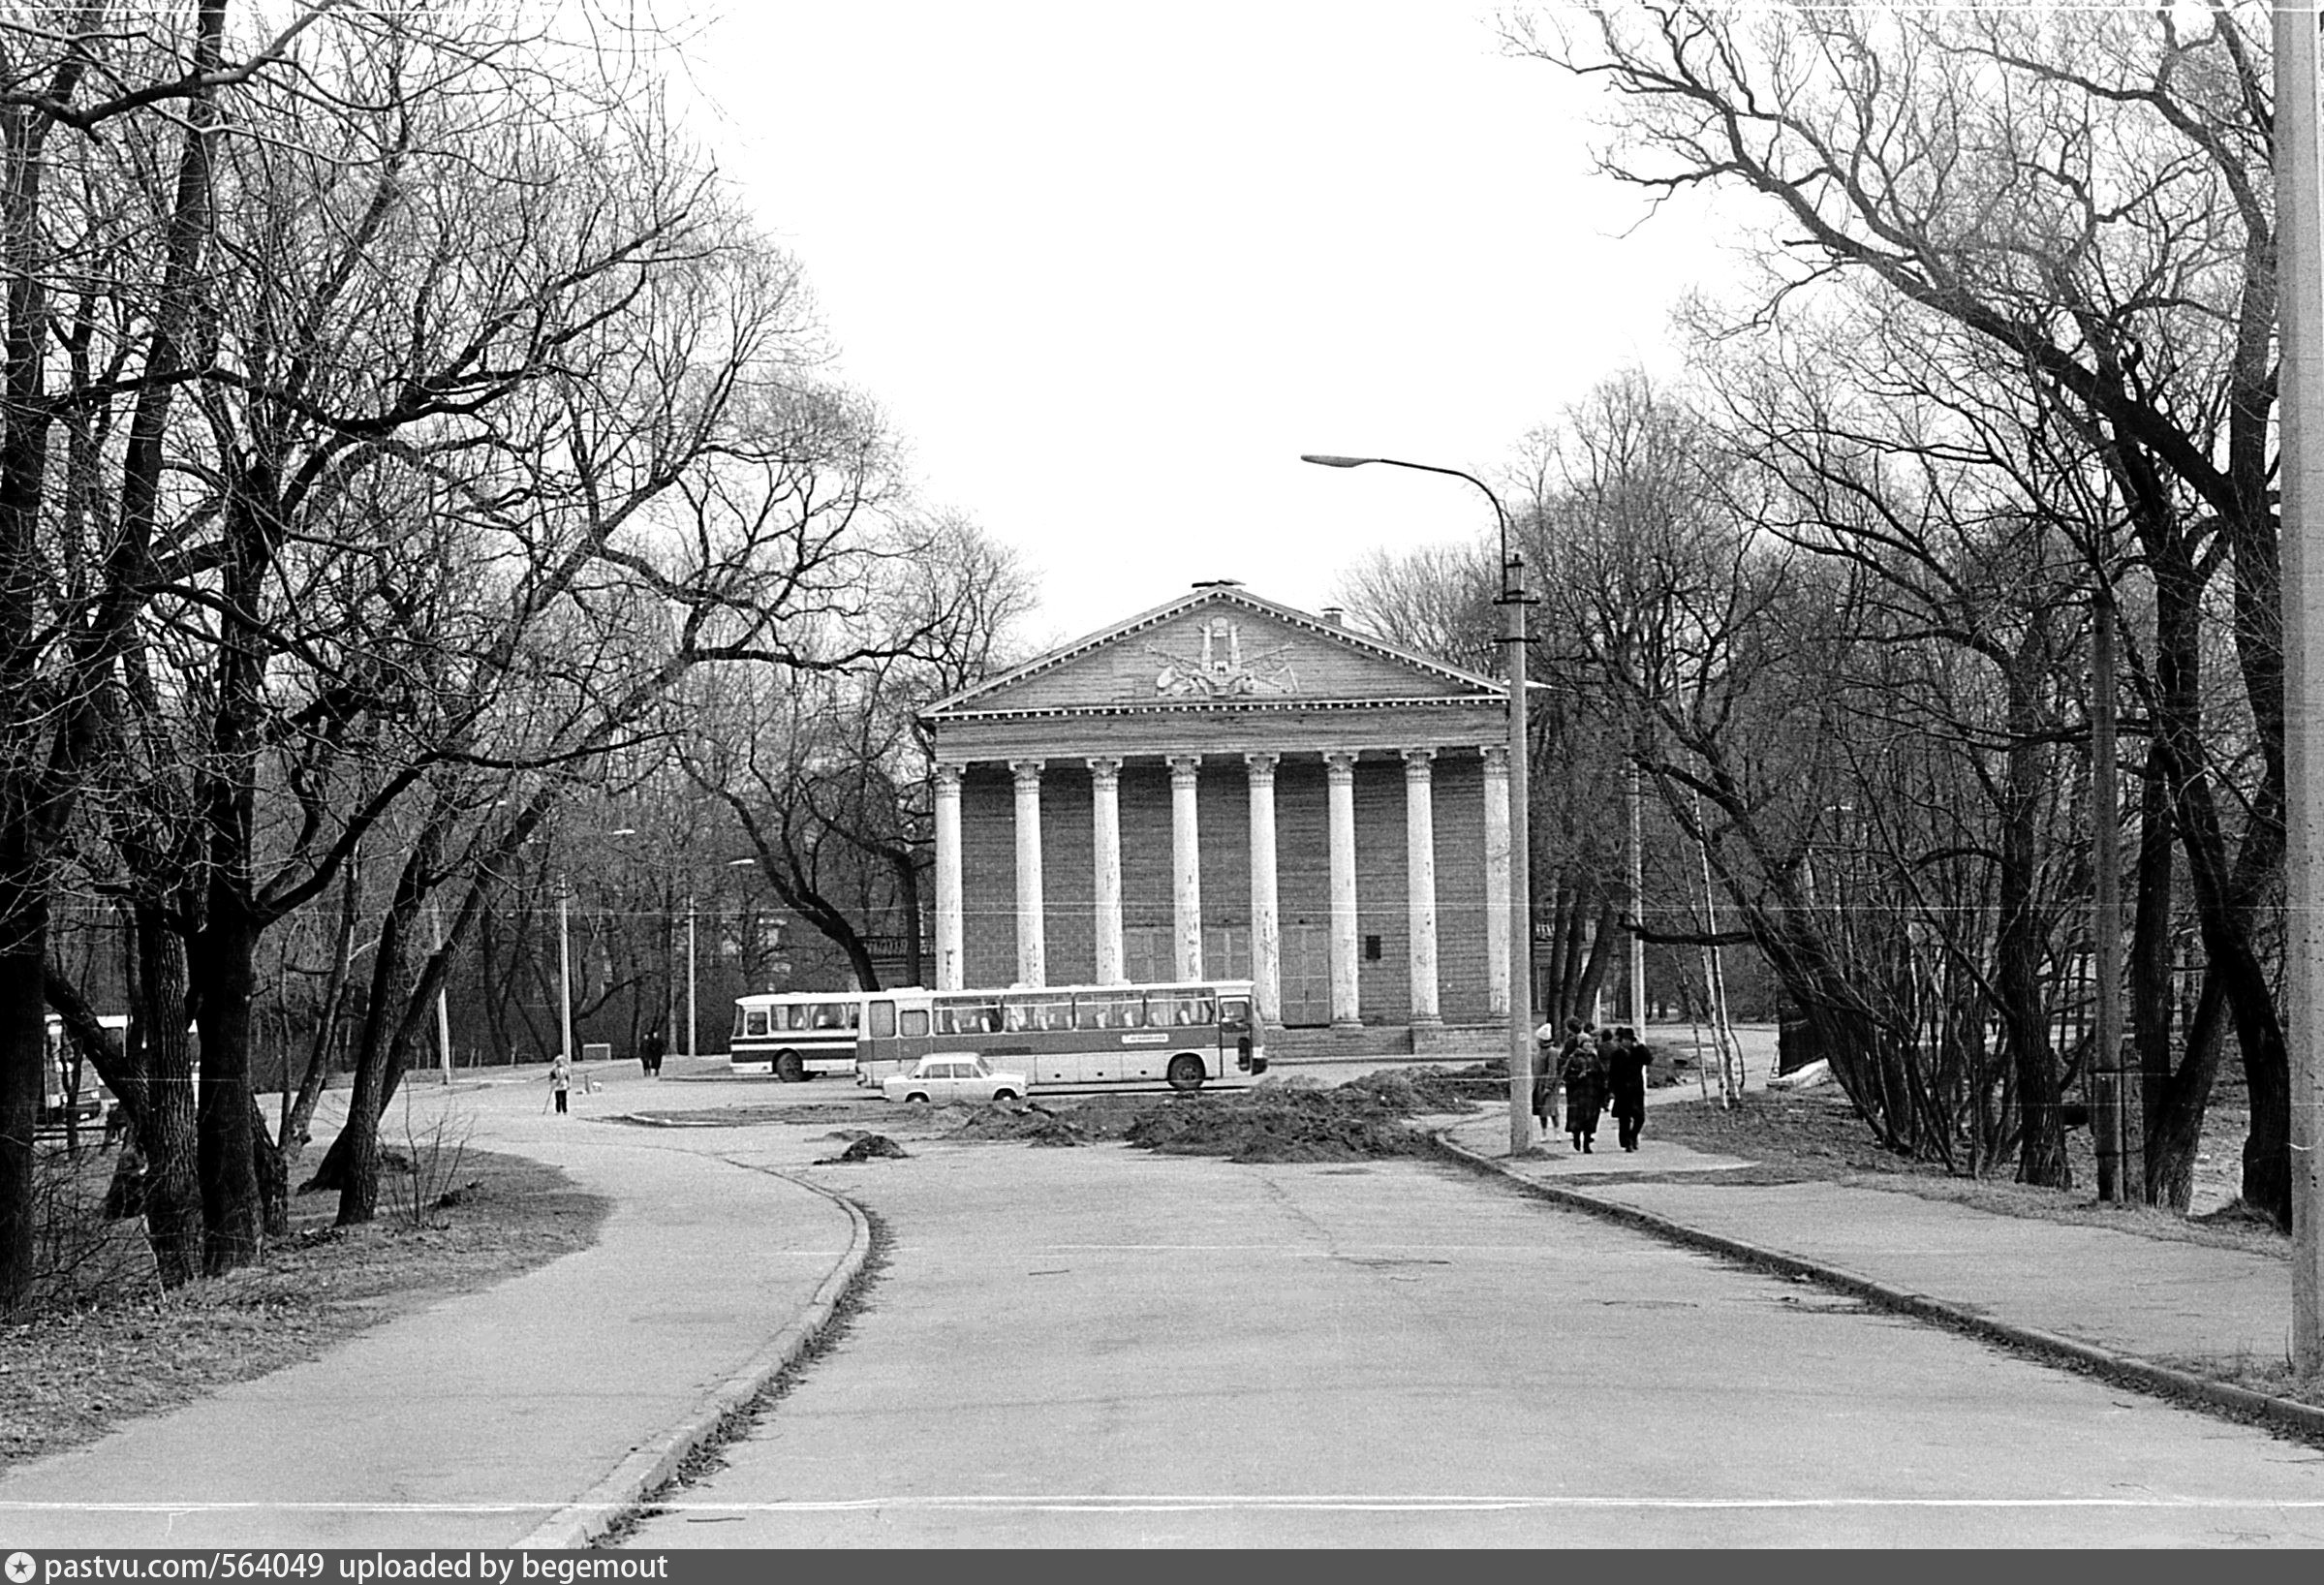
(796, 1035)
(1184, 1035)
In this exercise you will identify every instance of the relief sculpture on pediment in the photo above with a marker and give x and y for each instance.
(1222, 670)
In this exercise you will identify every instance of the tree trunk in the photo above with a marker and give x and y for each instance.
(233, 1211)
(23, 1055)
(173, 1221)
(2041, 1142)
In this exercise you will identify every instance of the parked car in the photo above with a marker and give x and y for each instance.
(953, 1075)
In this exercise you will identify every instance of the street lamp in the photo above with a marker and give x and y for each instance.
(1512, 600)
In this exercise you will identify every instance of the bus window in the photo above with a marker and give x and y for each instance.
(1234, 1011)
(884, 1020)
(1109, 1012)
(753, 1021)
(968, 1018)
(738, 1017)
(1188, 1012)
(914, 1021)
(1039, 1012)
(828, 1016)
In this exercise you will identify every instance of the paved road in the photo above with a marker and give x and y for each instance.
(1100, 1346)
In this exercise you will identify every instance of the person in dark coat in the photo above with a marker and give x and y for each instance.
(1625, 1084)
(1585, 1075)
(649, 1053)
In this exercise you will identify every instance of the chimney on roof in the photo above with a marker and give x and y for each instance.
(1336, 615)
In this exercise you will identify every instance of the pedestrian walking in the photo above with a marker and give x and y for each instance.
(1625, 1084)
(1584, 1073)
(1546, 1077)
(560, 1080)
(650, 1050)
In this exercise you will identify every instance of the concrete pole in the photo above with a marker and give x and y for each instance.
(690, 1009)
(564, 969)
(2110, 1127)
(2300, 264)
(435, 930)
(1513, 600)
(1638, 911)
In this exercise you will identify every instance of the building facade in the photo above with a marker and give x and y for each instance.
(1224, 787)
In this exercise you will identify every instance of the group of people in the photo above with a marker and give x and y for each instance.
(1600, 1071)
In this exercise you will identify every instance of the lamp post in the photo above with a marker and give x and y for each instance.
(1512, 600)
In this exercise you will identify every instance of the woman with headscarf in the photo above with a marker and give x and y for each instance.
(1585, 1075)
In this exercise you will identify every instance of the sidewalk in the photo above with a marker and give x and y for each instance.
(520, 1414)
(2165, 1315)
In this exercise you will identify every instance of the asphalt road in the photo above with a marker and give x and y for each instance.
(1097, 1346)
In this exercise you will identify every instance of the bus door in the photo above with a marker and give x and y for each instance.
(894, 1036)
(1238, 1035)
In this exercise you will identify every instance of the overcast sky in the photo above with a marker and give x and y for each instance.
(1110, 268)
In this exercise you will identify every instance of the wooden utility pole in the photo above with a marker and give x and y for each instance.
(2111, 1128)
(2300, 275)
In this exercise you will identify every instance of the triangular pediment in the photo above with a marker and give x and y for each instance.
(1217, 645)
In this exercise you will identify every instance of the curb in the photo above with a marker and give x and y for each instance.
(2303, 1420)
(653, 1462)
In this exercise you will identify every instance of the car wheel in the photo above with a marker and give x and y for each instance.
(916, 1095)
(788, 1067)
(1004, 1095)
(1186, 1072)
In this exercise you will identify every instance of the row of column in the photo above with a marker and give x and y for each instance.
(1185, 878)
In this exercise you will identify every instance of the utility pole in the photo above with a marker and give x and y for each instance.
(689, 1052)
(1513, 600)
(1638, 915)
(435, 930)
(2300, 266)
(564, 969)
(2110, 1125)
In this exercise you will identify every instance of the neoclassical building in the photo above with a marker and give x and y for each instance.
(1226, 787)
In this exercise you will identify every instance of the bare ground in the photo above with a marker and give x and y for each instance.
(109, 1345)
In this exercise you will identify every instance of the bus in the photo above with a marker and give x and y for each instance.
(796, 1035)
(1183, 1034)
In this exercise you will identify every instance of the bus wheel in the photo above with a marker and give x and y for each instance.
(1186, 1072)
(788, 1067)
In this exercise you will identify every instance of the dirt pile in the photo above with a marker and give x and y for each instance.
(1031, 1124)
(1406, 1091)
(871, 1147)
(1280, 1123)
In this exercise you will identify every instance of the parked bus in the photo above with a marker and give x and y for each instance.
(1185, 1035)
(796, 1035)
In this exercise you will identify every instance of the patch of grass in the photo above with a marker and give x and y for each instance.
(71, 1372)
(1815, 1135)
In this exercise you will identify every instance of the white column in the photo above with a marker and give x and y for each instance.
(1032, 964)
(1185, 869)
(1339, 776)
(949, 934)
(1266, 926)
(1497, 880)
(1105, 841)
(1420, 880)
